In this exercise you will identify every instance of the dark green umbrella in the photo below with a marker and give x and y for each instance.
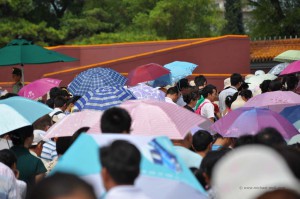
(21, 51)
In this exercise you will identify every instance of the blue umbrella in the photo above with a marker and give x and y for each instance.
(292, 114)
(104, 98)
(178, 69)
(163, 173)
(95, 78)
(17, 112)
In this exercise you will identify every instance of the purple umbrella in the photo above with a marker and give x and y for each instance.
(142, 91)
(245, 121)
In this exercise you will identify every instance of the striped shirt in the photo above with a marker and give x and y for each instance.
(49, 151)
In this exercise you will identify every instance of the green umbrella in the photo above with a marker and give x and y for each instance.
(21, 51)
(288, 56)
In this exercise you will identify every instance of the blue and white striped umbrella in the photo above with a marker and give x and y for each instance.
(94, 78)
(104, 98)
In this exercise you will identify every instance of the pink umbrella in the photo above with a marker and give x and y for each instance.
(244, 121)
(71, 123)
(293, 67)
(146, 73)
(157, 118)
(276, 100)
(38, 88)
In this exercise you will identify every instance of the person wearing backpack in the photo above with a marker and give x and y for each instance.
(60, 105)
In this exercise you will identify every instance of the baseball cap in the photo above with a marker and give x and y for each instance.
(38, 137)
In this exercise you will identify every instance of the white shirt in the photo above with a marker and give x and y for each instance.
(125, 192)
(180, 101)
(207, 109)
(169, 100)
(60, 115)
(8, 183)
(222, 96)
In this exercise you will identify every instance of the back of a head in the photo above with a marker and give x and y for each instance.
(55, 92)
(59, 101)
(115, 120)
(183, 84)
(201, 140)
(208, 90)
(42, 122)
(246, 94)
(19, 136)
(122, 161)
(172, 91)
(200, 80)
(17, 71)
(292, 157)
(236, 78)
(264, 86)
(270, 137)
(187, 98)
(275, 85)
(244, 140)
(228, 100)
(61, 185)
(63, 144)
(8, 157)
(290, 82)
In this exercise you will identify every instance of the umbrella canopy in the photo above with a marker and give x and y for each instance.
(163, 173)
(145, 73)
(179, 70)
(291, 68)
(276, 100)
(72, 122)
(292, 114)
(161, 118)
(17, 112)
(38, 88)
(21, 51)
(255, 81)
(142, 91)
(244, 121)
(288, 56)
(276, 70)
(94, 78)
(104, 98)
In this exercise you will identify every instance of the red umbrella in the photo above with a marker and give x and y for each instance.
(145, 73)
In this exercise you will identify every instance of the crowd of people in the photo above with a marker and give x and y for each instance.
(242, 167)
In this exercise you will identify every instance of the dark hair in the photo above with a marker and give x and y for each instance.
(50, 103)
(8, 95)
(183, 83)
(8, 157)
(200, 80)
(115, 120)
(79, 132)
(187, 98)
(209, 89)
(122, 161)
(201, 140)
(172, 90)
(55, 92)
(264, 86)
(42, 122)
(60, 185)
(228, 100)
(275, 85)
(291, 82)
(292, 157)
(73, 100)
(17, 71)
(19, 135)
(63, 144)
(270, 137)
(236, 78)
(59, 101)
(244, 140)
(246, 94)
(198, 174)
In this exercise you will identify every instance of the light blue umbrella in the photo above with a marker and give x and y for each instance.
(17, 112)
(163, 173)
(94, 78)
(178, 69)
(104, 98)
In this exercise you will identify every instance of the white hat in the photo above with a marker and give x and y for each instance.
(259, 72)
(249, 171)
(38, 137)
(227, 82)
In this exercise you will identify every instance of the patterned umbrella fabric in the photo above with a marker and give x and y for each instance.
(145, 73)
(162, 119)
(276, 100)
(94, 78)
(72, 122)
(178, 69)
(142, 91)
(276, 70)
(38, 88)
(291, 68)
(17, 112)
(163, 173)
(292, 114)
(104, 98)
(243, 121)
(288, 56)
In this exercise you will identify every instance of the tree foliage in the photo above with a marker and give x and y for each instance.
(234, 17)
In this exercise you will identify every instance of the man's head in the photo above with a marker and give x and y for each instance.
(173, 93)
(22, 136)
(210, 92)
(8, 158)
(202, 141)
(120, 163)
(16, 74)
(60, 102)
(115, 120)
(270, 137)
(55, 92)
(200, 81)
(236, 80)
(43, 123)
(183, 85)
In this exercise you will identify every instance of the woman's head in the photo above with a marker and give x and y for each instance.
(22, 136)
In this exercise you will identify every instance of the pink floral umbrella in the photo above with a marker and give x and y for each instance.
(38, 88)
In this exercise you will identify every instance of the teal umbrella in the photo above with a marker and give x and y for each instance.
(21, 52)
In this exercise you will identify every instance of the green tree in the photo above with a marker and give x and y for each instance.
(233, 17)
